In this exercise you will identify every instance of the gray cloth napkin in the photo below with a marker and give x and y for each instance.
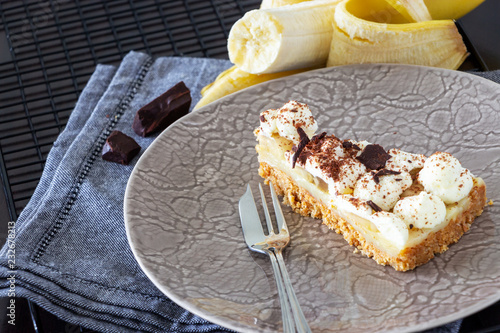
(72, 254)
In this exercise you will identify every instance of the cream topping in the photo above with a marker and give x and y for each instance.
(327, 159)
(403, 161)
(348, 203)
(386, 191)
(285, 121)
(421, 211)
(268, 122)
(392, 227)
(444, 176)
(349, 171)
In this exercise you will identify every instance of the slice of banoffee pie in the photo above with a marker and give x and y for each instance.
(396, 207)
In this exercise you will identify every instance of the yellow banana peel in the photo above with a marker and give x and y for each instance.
(450, 9)
(430, 43)
(411, 10)
(426, 10)
(234, 79)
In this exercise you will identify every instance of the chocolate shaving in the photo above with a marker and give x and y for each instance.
(303, 136)
(411, 226)
(262, 118)
(318, 137)
(374, 206)
(384, 172)
(348, 145)
(374, 157)
(304, 140)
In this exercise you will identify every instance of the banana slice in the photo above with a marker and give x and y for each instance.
(429, 43)
(285, 38)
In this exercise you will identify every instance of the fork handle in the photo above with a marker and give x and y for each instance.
(300, 319)
(286, 314)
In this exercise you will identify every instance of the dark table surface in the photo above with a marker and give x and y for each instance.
(49, 49)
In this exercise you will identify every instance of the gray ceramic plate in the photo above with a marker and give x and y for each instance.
(181, 204)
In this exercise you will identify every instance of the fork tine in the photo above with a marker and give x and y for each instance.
(250, 221)
(266, 212)
(280, 219)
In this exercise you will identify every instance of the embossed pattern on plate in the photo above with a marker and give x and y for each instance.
(181, 204)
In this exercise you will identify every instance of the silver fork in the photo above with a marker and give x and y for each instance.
(273, 245)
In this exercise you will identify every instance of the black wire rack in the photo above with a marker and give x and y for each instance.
(52, 47)
(49, 49)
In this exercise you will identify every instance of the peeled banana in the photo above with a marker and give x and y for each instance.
(234, 79)
(430, 43)
(285, 38)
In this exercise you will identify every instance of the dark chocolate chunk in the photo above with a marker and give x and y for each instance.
(374, 206)
(304, 140)
(120, 148)
(374, 157)
(163, 110)
(262, 118)
(383, 172)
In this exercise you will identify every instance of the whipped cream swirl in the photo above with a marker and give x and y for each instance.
(384, 191)
(444, 176)
(421, 211)
(285, 121)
